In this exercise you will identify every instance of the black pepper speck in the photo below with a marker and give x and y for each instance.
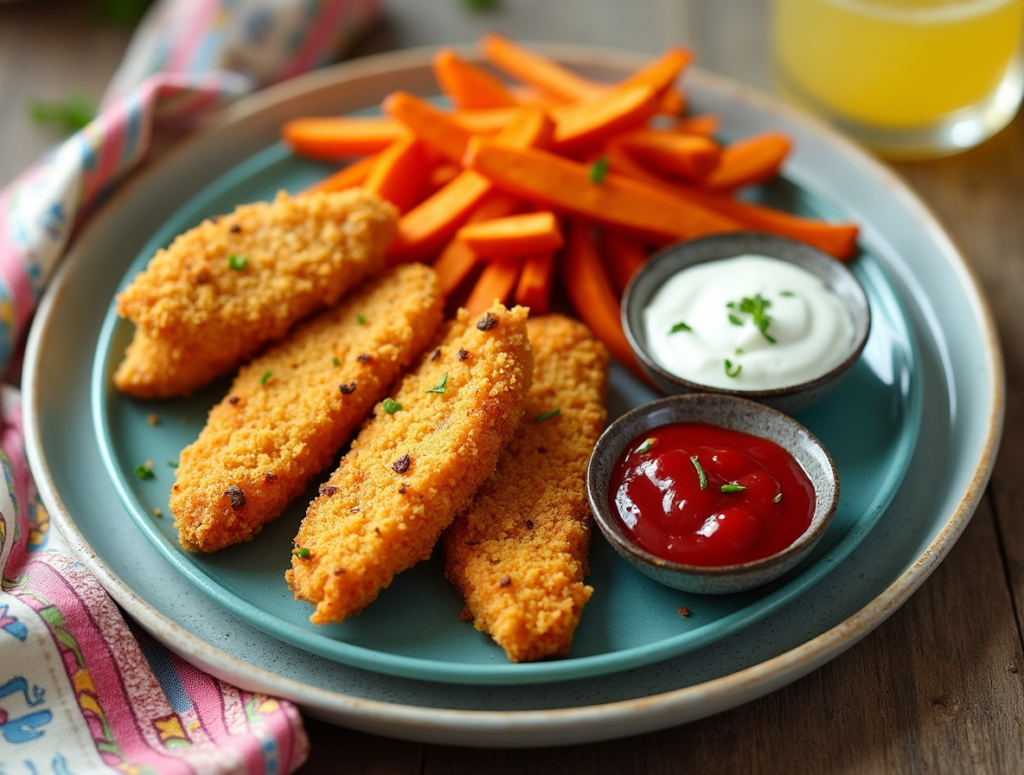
(402, 464)
(487, 322)
(236, 497)
(346, 389)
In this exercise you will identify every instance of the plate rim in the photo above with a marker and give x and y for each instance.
(420, 722)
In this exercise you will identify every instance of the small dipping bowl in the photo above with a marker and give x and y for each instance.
(726, 412)
(667, 262)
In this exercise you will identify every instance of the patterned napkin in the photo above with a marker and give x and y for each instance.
(82, 690)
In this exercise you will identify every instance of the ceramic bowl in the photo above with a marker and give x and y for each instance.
(667, 262)
(727, 412)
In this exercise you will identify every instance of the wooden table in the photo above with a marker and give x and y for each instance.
(939, 687)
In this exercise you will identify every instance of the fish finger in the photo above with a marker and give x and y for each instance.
(227, 287)
(415, 465)
(518, 554)
(291, 409)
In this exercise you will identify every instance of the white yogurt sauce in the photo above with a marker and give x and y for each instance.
(705, 324)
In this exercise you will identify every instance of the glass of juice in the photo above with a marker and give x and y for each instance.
(908, 78)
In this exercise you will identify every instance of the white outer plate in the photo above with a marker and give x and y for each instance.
(961, 369)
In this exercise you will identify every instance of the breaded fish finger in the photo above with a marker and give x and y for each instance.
(290, 410)
(225, 288)
(411, 471)
(518, 554)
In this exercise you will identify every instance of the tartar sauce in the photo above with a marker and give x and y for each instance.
(747, 323)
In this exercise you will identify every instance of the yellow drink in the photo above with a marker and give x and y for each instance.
(895, 64)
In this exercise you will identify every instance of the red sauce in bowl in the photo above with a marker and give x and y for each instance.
(698, 494)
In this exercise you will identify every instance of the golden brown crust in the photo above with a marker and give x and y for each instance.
(299, 254)
(410, 472)
(271, 434)
(518, 554)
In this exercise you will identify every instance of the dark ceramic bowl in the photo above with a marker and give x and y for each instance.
(726, 412)
(664, 264)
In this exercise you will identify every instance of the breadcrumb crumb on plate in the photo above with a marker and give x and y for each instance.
(228, 286)
(270, 434)
(518, 554)
(409, 473)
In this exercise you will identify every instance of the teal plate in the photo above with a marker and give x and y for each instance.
(870, 426)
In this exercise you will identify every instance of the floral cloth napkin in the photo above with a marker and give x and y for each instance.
(82, 690)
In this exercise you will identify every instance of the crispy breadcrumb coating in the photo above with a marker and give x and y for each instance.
(290, 410)
(409, 473)
(227, 287)
(518, 554)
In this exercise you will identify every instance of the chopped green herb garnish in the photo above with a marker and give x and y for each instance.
(732, 370)
(648, 445)
(755, 307)
(739, 351)
(301, 552)
(144, 472)
(680, 326)
(787, 294)
(68, 116)
(266, 377)
(172, 463)
(391, 405)
(733, 488)
(335, 362)
(361, 320)
(237, 262)
(598, 170)
(700, 472)
(440, 386)
(547, 415)
(777, 498)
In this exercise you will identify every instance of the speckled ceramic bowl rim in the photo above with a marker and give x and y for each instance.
(610, 527)
(551, 726)
(670, 253)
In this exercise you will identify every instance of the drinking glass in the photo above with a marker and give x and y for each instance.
(908, 78)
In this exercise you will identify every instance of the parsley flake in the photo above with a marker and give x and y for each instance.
(732, 370)
(777, 498)
(648, 445)
(756, 307)
(700, 472)
(301, 552)
(547, 415)
(266, 377)
(598, 171)
(440, 387)
(733, 488)
(680, 326)
(787, 294)
(237, 262)
(335, 362)
(144, 472)
(391, 405)
(361, 320)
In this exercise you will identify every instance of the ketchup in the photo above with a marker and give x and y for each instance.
(698, 494)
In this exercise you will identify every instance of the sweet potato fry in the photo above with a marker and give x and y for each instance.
(749, 161)
(457, 260)
(535, 69)
(534, 287)
(400, 174)
(689, 156)
(332, 138)
(495, 284)
(467, 84)
(431, 125)
(624, 254)
(347, 177)
(588, 122)
(567, 185)
(839, 240)
(592, 296)
(513, 236)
